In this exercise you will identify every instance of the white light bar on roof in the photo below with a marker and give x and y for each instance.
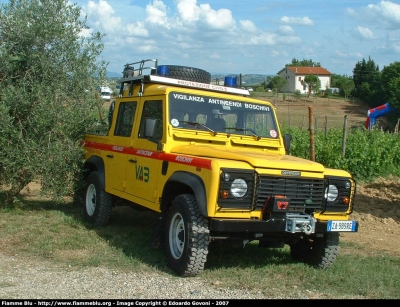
(185, 83)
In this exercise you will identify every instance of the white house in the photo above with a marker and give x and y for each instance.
(295, 78)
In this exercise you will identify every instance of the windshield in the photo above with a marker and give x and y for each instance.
(221, 115)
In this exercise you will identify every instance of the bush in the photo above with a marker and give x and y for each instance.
(368, 154)
(297, 94)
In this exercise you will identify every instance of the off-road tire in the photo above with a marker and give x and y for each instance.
(97, 202)
(186, 237)
(188, 74)
(319, 252)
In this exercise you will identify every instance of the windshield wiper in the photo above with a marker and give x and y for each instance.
(196, 124)
(252, 132)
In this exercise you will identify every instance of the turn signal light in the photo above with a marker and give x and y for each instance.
(224, 194)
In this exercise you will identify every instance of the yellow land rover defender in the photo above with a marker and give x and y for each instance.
(212, 164)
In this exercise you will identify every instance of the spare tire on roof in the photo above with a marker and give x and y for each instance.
(184, 73)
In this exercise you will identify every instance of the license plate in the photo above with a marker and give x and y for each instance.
(342, 226)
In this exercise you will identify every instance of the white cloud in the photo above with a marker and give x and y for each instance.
(102, 9)
(274, 53)
(221, 19)
(215, 56)
(286, 30)
(396, 47)
(157, 13)
(188, 11)
(147, 48)
(86, 32)
(302, 21)
(101, 14)
(266, 39)
(191, 17)
(248, 26)
(340, 54)
(137, 29)
(194, 32)
(365, 32)
(289, 40)
(351, 12)
(387, 10)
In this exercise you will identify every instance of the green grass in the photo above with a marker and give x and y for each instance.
(45, 230)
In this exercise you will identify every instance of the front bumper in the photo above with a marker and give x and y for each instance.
(286, 225)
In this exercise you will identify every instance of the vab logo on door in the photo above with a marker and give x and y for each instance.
(142, 173)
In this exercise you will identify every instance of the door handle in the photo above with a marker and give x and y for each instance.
(132, 160)
(109, 156)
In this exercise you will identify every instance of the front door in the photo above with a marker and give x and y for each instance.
(143, 171)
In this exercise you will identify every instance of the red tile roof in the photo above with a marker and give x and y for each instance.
(302, 70)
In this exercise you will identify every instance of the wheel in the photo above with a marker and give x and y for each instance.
(98, 203)
(187, 237)
(184, 73)
(317, 252)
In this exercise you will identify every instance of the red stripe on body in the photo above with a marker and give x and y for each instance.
(174, 158)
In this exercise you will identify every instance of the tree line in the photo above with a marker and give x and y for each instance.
(368, 83)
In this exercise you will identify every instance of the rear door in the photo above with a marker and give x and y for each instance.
(123, 143)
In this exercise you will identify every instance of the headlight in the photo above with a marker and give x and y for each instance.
(239, 187)
(236, 189)
(331, 193)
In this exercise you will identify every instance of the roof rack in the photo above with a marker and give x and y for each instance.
(132, 75)
(130, 71)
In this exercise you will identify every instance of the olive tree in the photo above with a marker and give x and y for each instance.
(47, 77)
(313, 83)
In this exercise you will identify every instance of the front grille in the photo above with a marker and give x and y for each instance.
(306, 195)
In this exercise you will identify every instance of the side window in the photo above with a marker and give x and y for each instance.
(126, 114)
(152, 109)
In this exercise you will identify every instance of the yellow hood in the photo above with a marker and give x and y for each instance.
(258, 158)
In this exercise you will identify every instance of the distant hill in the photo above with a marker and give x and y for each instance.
(247, 80)
(113, 75)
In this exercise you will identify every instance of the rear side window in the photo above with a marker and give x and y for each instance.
(126, 115)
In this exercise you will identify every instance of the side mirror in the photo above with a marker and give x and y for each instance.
(287, 138)
(150, 127)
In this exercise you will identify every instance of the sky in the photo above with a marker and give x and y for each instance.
(247, 37)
